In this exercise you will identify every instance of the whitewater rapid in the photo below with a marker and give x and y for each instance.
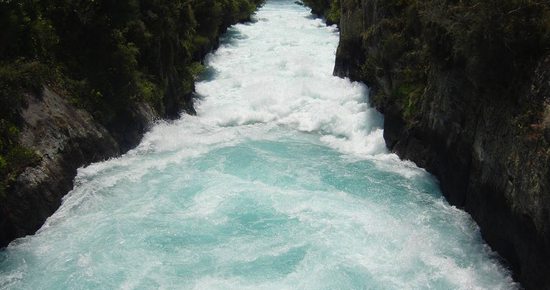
(281, 181)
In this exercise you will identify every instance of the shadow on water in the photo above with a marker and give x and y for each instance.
(251, 21)
(232, 36)
(209, 74)
(196, 97)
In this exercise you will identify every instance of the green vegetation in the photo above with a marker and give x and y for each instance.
(493, 43)
(106, 55)
(400, 58)
(329, 9)
(15, 77)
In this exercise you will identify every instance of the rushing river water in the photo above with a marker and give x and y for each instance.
(281, 181)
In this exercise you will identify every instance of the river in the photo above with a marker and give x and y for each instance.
(281, 181)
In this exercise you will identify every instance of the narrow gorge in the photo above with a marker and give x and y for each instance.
(465, 91)
(281, 172)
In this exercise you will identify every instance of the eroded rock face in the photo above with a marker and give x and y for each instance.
(490, 153)
(65, 138)
(495, 170)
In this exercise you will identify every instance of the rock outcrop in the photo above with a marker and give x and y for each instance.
(65, 138)
(471, 104)
(55, 128)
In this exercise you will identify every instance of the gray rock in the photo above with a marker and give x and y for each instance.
(65, 138)
(476, 143)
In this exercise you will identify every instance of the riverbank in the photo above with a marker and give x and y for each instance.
(465, 91)
(82, 83)
(281, 180)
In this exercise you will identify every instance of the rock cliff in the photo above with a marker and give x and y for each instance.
(65, 138)
(91, 92)
(465, 90)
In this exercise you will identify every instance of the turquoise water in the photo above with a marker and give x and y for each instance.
(282, 181)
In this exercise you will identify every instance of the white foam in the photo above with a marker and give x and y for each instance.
(291, 86)
(284, 170)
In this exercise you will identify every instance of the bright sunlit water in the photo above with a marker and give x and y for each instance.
(282, 181)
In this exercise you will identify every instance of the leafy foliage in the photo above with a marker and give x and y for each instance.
(107, 55)
(329, 9)
(15, 78)
(493, 43)
(492, 40)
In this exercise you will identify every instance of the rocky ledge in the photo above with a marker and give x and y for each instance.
(465, 90)
(126, 73)
(65, 138)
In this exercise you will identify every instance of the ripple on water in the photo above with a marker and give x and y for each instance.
(282, 181)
